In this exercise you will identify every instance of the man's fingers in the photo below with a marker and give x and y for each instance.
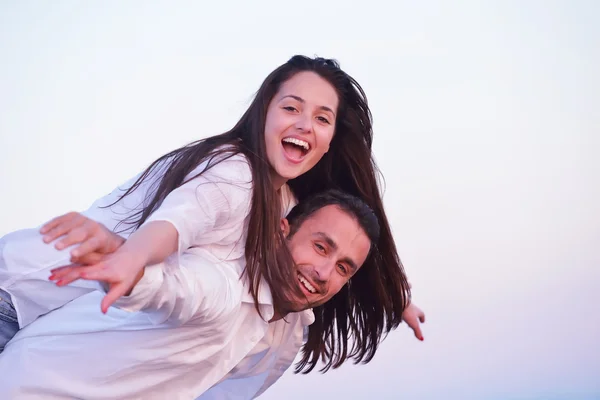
(54, 222)
(58, 231)
(64, 224)
(73, 236)
(91, 245)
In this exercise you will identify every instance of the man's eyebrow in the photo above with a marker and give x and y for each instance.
(331, 243)
(301, 100)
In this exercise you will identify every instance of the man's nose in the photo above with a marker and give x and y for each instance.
(323, 270)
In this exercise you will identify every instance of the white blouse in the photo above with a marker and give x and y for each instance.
(198, 319)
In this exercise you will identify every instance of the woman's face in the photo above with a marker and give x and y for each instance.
(300, 125)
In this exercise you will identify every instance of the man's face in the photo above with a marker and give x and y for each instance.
(328, 248)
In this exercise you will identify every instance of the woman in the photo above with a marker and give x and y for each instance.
(313, 141)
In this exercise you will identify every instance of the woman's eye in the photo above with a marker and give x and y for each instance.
(324, 120)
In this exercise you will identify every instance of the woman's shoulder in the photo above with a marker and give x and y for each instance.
(226, 164)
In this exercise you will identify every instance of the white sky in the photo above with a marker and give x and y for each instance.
(487, 129)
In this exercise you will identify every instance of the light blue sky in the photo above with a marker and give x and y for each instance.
(487, 129)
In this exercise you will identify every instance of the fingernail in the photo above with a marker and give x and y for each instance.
(51, 277)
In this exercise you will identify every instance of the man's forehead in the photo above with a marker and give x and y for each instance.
(342, 232)
(335, 223)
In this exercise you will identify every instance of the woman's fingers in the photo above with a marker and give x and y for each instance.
(114, 293)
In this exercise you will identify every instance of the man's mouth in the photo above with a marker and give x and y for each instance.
(307, 285)
(296, 149)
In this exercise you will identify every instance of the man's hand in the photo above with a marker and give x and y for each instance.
(412, 315)
(94, 239)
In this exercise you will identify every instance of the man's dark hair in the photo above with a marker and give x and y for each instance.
(348, 326)
(352, 205)
(355, 311)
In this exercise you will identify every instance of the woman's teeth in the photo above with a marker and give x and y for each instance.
(298, 142)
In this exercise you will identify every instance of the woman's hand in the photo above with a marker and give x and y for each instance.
(120, 271)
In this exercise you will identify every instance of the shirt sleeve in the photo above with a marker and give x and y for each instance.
(198, 288)
(201, 210)
(217, 199)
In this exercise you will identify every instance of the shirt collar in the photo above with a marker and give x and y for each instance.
(307, 317)
(265, 299)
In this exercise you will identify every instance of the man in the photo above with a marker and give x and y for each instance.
(329, 237)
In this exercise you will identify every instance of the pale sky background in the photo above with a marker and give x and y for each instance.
(487, 129)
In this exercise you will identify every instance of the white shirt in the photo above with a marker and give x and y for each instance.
(199, 320)
(266, 362)
(209, 211)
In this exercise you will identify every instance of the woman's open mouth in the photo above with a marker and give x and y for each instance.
(295, 149)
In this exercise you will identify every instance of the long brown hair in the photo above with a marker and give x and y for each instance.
(374, 301)
(352, 324)
(263, 260)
